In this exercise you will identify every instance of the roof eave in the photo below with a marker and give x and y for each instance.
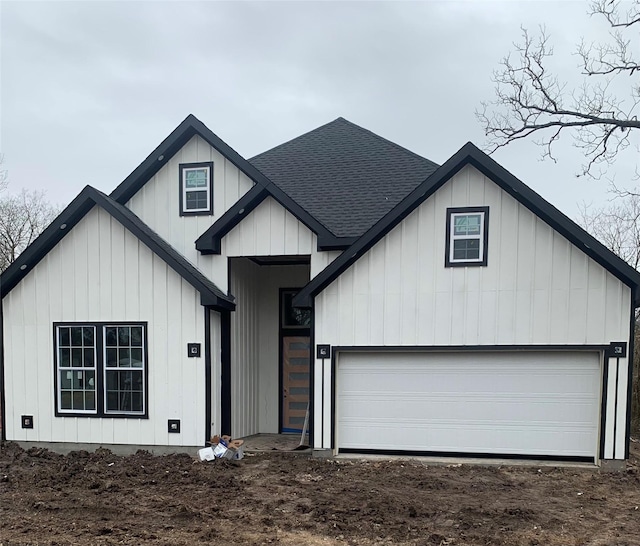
(189, 127)
(70, 216)
(470, 154)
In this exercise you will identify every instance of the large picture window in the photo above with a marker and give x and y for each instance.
(101, 369)
(196, 188)
(467, 236)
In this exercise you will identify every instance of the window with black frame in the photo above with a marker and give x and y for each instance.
(101, 369)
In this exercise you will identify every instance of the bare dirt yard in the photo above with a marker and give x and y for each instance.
(104, 499)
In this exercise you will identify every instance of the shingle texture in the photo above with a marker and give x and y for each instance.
(345, 176)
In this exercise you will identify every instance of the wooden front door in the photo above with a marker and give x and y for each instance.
(295, 382)
(295, 353)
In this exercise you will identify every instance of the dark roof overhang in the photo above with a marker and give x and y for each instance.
(469, 154)
(210, 294)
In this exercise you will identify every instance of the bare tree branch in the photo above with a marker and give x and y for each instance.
(22, 218)
(617, 226)
(610, 9)
(4, 177)
(532, 102)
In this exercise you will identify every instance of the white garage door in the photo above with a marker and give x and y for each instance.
(521, 403)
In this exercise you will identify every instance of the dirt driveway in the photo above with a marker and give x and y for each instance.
(103, 499)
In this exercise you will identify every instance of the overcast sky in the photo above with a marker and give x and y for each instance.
(88, 89)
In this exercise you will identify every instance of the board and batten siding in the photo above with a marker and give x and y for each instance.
(537, 289)
(268, 230)
(255, 351)
(244, 349)
(157, 203)
(101, 272)
(271, 230)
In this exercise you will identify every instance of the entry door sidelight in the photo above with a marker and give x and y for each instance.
(295, 354)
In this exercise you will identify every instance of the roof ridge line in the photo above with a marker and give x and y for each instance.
(295, 138)
(387, 141)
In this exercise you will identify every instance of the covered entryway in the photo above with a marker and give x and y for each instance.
(269, 347)
(529, 403)
(295, 352)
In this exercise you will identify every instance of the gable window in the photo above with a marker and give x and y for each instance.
(467, 236)
(196, 188)
(101, 370)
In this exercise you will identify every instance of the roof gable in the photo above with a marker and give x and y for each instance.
(471, 155)
(209, 241)
(210, 294)
(190, 127)
(345, 176)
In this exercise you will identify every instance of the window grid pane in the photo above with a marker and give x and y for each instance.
(124, 387)
(196, 200)
(196, 178)
(76, 369)
(466, 249)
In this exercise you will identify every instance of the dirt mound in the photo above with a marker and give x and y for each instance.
(101, 498)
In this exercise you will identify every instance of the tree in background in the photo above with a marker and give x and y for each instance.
(22, 218)
(617, 226)
(4, 179)
(531, 101)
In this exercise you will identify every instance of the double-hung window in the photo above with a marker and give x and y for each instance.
(101, 369)
(467, 236)
(196, 188)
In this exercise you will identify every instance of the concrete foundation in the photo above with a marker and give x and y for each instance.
(613, 465)
(118, 449)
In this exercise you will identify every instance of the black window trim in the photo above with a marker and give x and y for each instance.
(485, 237)
(200, 165)
(99, 348)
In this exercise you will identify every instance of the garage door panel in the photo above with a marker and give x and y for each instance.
(522, 403)
(518, 410)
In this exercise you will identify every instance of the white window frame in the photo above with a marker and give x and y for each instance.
(66, 369)
(99, 368)
(106, 368)
(184, 191)
(481, 237)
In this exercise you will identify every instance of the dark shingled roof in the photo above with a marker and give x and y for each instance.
(345, 176)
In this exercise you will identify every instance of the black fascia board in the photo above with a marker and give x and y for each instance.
(49, 238)
(210, 241)
(469, 154)
(301, 214)
(260, 179)
(335, 243)
(179, 137)
(210, 294)
(89, 197)
(167, 149)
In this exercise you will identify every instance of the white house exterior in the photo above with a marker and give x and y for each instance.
(455, 310)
